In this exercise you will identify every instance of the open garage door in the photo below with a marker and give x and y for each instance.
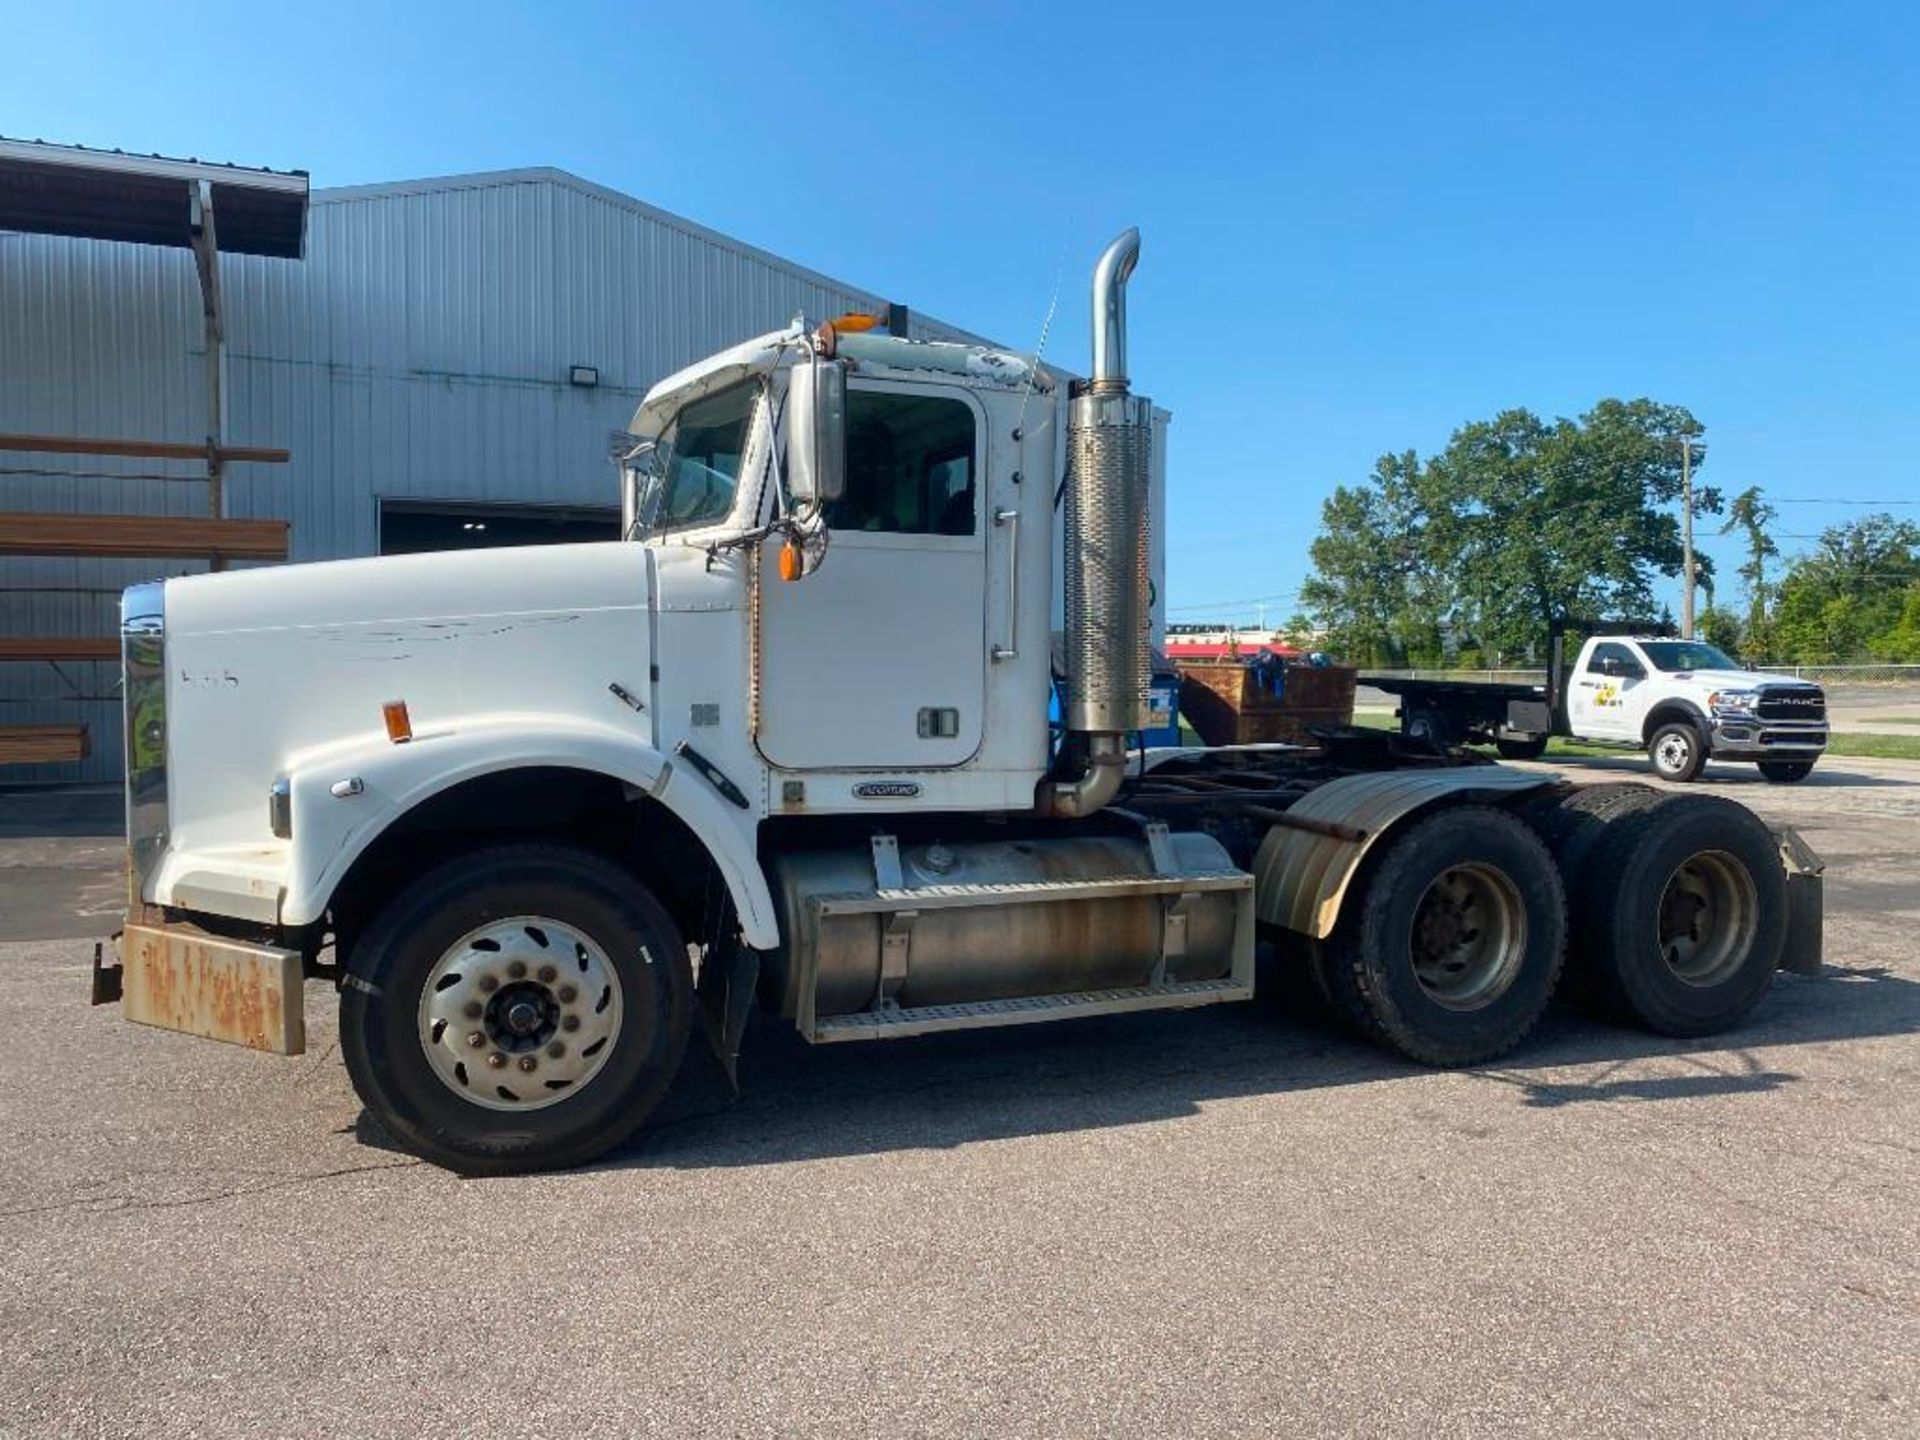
(408, 527)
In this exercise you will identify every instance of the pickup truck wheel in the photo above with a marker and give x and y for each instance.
(1786, 772)
(1513, 748)
(1449, 951)
(1680, 914)
(520, 1008)
(1677, 750)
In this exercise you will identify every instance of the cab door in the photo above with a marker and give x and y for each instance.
(877, 660)
(1602, 702)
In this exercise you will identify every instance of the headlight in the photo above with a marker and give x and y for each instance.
(1733, 702)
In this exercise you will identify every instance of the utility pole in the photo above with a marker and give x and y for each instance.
(1686, 537)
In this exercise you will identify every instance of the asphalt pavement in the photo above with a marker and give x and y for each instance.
(1224, 1222)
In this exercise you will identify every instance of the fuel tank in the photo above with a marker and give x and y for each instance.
(921, 925)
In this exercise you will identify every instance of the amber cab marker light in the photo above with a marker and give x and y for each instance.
(399, 724)
(789, 561)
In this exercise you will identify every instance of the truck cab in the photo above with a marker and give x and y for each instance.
(1686, 702)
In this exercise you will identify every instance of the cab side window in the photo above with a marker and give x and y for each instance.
(1597, 662)
(911, 467)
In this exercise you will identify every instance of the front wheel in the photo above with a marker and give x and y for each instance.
(1678, 751)
(1786, 772)
(521, 1008)
(1449, 949)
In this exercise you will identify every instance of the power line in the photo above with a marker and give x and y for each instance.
(1767, 499)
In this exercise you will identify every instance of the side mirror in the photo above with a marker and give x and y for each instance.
(817, 431)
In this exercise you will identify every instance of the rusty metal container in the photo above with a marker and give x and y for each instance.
(1231, 702)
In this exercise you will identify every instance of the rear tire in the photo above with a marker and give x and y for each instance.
(1679, 914)
(1531, 748)
(1677, 751)
(1449, 948)
(1572, 824)
(572, 977)
(1786, 772)
(1425, 726)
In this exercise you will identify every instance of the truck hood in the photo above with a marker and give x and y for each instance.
(1736, 679)
(262, 665)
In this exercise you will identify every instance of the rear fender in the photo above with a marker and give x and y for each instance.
(345, 796)
(1301, 876)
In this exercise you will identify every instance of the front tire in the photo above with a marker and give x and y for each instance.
(520, 1008)
(1450, 948)
(1786, 772)
(1677, 750)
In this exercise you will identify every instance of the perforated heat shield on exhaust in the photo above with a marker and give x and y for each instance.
(1109, 626)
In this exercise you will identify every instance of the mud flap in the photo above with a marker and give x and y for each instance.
(724, 991)
(1806, 915)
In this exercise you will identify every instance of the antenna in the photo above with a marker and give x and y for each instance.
(1046, 325)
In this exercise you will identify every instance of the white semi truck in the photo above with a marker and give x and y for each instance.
(535, 813)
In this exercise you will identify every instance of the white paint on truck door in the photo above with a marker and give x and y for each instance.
(878, 659)
(1601, 702)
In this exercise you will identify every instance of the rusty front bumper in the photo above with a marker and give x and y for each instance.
(178, 977)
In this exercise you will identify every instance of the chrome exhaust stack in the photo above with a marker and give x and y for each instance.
(1108, 570)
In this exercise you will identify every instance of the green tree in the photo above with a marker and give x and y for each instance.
(1372, 590)
(1517, 521)
(1718, 625)
(1751, 515)
(1848, 599)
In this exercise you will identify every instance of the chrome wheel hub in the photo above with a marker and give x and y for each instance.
(1674, 752)
(1469, 937)
(1709, 914)
(520, 1013)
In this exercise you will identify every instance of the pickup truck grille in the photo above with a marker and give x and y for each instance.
(1792, 702)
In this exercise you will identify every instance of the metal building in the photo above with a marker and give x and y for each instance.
(445, 366)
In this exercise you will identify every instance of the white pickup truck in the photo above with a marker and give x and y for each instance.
(1682, 701)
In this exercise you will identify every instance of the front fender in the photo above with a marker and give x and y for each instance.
(331, 830)
(1301, 876)
(1669, 708)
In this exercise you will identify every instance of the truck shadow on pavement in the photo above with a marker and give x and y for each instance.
(805, 1103)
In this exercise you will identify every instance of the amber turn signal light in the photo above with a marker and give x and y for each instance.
(399, 724)
(790, 565)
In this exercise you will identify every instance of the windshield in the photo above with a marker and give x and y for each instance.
(1687, 655)
(696, 466)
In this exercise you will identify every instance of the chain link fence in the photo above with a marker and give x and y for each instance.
(1849, 675)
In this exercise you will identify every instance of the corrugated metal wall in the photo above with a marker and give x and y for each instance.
(421, 350)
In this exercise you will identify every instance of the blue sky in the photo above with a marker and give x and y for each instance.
(1364, 224)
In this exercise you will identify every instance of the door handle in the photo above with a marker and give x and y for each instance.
(1011, 519)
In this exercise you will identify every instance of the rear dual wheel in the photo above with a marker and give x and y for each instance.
(1521, 747)
(1679, 913)
(1449, 950)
